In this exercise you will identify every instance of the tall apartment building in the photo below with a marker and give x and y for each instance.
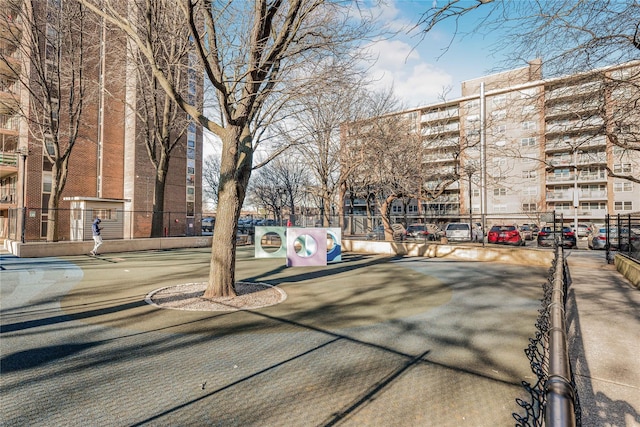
(109, 169)
(522, 145)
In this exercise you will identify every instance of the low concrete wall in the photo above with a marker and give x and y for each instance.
(469, 252)
(44, 249)
(628, 268)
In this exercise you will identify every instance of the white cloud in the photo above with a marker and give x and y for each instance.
(415, 82)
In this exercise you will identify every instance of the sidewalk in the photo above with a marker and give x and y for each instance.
(603, 318)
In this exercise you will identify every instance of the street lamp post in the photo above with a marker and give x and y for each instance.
(23, 151)
(576, 201)
(470, 172)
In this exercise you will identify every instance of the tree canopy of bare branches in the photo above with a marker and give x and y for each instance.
(56, 58)
(256, 56)
(572, 37)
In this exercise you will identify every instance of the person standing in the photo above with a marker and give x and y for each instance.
(97, 238)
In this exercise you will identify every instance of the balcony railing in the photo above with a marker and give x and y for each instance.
(554, 145)
(560, 178)
(586, 160)
(592, 177)
(592, 213)
(593, 194)
(8, 158)
(560, 196)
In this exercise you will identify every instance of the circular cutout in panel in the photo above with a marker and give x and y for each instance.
(305, 246)
(271, 242)
(334, 245)
(331, 242)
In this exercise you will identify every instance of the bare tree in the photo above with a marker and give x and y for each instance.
(253, 55)
(314, 129)
(280, 183)
(388, 158)
(573, 36)
(57, 57)
(163, 124)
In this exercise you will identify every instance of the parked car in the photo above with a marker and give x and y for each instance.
(585, 228)
(377, 233)
(208, 224)
(598, 240)
(506, 234)
(526, 231)
(458, 232)
(547, 236)
(423, 231)
(534, 229)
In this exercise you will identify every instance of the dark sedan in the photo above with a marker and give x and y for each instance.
(547, 237)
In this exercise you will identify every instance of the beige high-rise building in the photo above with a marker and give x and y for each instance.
(522, 145)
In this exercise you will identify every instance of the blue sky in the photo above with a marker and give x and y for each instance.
(418, 68)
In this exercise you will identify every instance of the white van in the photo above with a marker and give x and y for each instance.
(458, 232)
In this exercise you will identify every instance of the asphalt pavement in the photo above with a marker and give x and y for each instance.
(370, 341)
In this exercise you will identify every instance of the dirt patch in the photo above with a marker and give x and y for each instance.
(189, 296)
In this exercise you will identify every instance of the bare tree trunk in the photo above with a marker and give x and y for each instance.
(58, 181)
(223, 249)
(342, 191)
(53, 217)
(235, 170)
(326, 207)
(157, 223)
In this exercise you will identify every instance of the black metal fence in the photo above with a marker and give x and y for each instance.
(622, 235)
(554, 399)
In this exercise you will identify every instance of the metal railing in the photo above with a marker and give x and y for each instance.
(623, 236)
(554, 399)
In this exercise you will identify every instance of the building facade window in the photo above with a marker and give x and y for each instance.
(475, 103)
(499, 191)
(104, 214)
(622, 168)
(592, 206)
(622, 187)
(529, 174)
(529, 207)
(528, 142)
(499, 114)
(623, 206)
(529, 125)
(499, 100)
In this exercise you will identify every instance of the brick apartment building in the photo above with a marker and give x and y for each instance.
(522, 145)
(110, 172)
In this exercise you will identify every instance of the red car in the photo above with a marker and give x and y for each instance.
(505, 234)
